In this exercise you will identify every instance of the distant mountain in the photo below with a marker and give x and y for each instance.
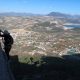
(58, 14)
(18, 14)
(76, 16)
(55, 14)
(63, 15)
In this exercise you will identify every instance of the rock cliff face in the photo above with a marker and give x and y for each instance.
(5, 72)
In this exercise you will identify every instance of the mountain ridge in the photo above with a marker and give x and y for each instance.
(63, 15)
(54, 14)
(18, 14)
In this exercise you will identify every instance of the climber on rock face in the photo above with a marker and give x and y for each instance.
(7, 41)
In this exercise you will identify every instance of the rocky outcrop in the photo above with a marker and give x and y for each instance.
(5, 71)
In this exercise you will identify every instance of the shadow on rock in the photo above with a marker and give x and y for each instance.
(51, 68)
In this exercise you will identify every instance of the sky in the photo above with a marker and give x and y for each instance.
(40, 6)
